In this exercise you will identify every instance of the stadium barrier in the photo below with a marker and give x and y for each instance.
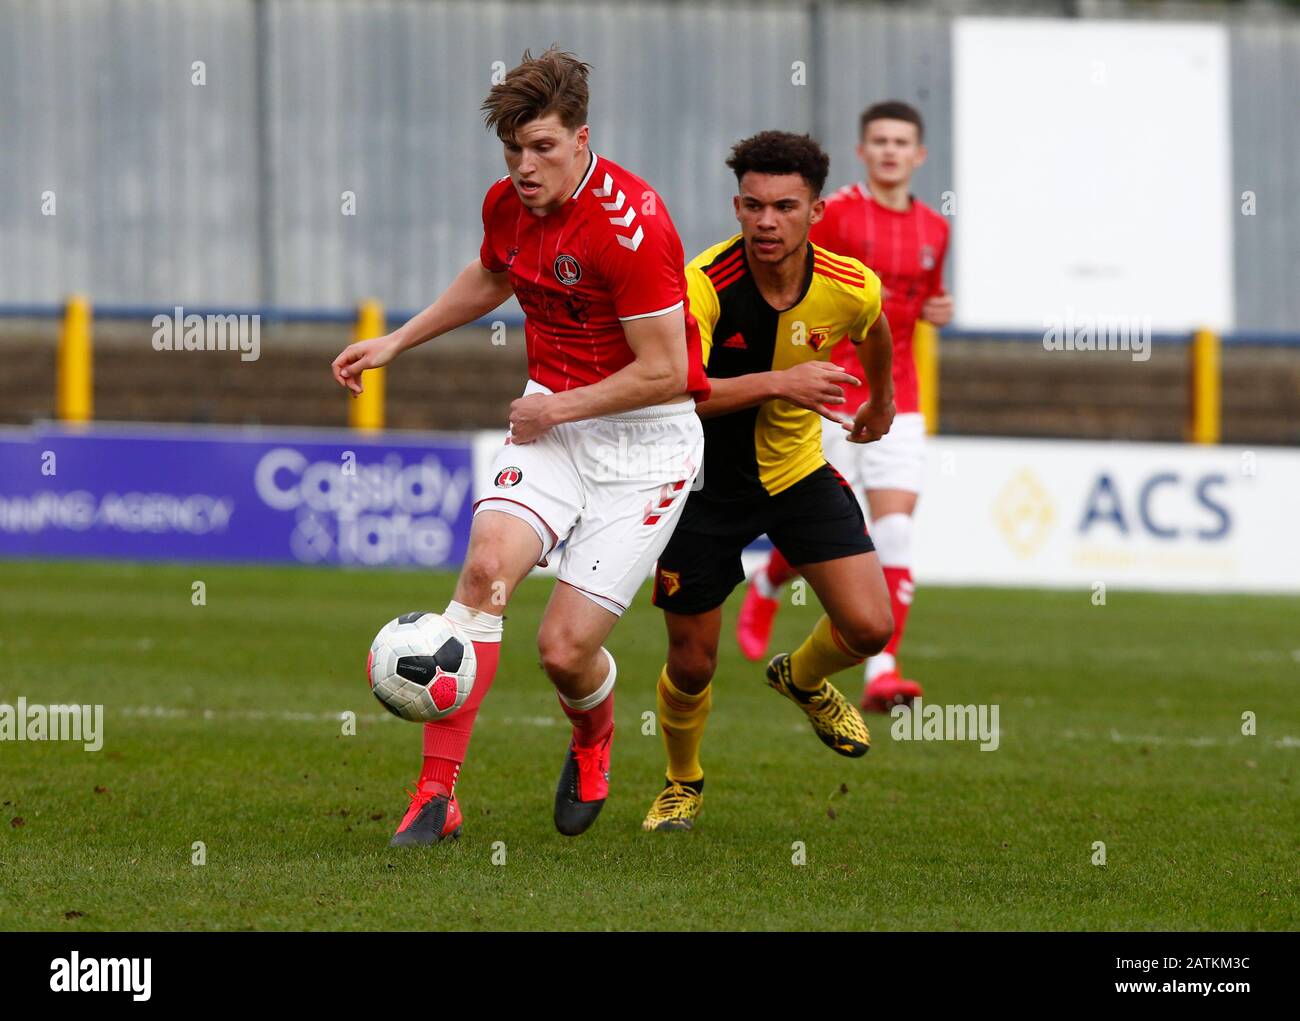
(1042, 513)
(75, 375)
(1098, 515)
(193, 493)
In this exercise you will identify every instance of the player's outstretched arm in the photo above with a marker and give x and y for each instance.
(876, 356)
(656, 374)
(474, 293)
(810, 385)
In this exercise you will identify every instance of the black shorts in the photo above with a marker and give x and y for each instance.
(816, 519)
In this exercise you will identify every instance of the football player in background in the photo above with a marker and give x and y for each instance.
(770, 305)
(614, 363)
(879, 222)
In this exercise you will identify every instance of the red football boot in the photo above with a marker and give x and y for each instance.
(434, 815)
(754, 625)
(888, 690)
(583, 786)
(909, 689)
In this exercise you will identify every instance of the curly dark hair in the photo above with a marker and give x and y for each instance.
(781, 152)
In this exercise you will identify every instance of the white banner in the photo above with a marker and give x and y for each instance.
(1066, 514)
(1093, 174)
(1050, 513)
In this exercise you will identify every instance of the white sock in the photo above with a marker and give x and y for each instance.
(478, 625)
(891, 534)
(597, 696)
(879, 664)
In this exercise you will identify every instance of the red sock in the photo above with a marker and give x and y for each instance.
(591, 726)
(779, 570)
(446, 741)
(899, 580)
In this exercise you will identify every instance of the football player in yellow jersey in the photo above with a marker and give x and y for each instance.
(770, 306)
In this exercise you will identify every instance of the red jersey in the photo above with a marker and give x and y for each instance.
(608, 255)
(906, 250)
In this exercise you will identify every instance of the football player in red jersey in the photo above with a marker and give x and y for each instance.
(880, 223)
(603, 444)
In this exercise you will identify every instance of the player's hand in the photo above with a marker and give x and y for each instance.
(364, 354)
(530, 417)
(937, 309)
(872, 421)
(811, 385)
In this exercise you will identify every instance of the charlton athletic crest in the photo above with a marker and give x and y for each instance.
(927, 258)
(508, 477)
(567, 270)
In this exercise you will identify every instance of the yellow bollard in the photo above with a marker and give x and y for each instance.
(367, 411)
(925, 346)
(1206, 420)
(75, 394)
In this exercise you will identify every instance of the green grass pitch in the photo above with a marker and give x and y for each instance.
(1119, 723)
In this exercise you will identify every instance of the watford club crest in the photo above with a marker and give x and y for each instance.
(819, 338)
(670, 582)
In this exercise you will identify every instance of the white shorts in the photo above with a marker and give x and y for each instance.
(895, 461)
(611, 488)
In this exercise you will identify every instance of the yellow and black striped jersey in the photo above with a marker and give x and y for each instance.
(768, 448)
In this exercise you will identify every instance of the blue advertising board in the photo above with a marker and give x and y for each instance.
(317, 497)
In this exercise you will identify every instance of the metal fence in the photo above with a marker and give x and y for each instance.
(199, 152)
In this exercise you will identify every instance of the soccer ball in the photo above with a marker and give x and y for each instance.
(421, 667)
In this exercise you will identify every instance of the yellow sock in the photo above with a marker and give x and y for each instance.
(682, 718)
(823, 653)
